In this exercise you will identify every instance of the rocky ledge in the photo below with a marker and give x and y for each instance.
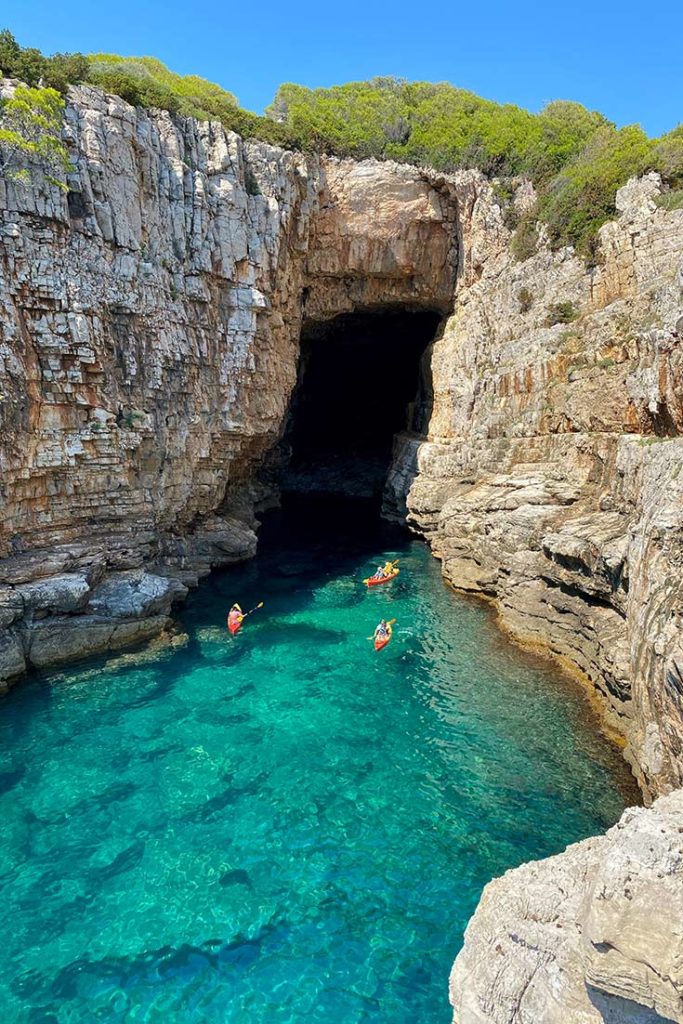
(590, 936)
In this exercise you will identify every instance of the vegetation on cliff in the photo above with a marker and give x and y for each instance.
(142, 81)
(31, 129)
(576, 158)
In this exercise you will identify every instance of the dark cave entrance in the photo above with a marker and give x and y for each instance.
(363, 377)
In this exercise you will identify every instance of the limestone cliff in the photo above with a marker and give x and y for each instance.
(550, 479)
(149, 341)
(148, 350)
(591, 935)
(550, 483)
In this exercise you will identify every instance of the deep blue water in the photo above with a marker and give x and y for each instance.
(283, 826)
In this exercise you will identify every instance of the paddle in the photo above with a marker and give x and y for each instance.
(254, 609)
(389, 623)
(244, 614)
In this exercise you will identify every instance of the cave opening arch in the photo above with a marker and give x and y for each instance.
(363, 377)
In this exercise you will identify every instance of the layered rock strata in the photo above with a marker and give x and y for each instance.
(551, 484)
(148, 350)
(550, 481)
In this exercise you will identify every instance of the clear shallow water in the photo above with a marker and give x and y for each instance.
(285, 826)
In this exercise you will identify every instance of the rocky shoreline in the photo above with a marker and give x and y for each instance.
(149, 343)
(588, 936)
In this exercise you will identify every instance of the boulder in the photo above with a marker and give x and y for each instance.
(59, 640)
(12, 661)
(592, 936)
(11, 606)
(135, 594)
(67, 592)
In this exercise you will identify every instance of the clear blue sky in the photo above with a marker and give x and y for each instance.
(617, 57)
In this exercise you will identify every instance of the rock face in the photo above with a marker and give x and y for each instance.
(591, 935)
(148, 349)
(550, 482)
(149, 338)
(550, 479)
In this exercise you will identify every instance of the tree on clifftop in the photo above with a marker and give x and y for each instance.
(31, 136)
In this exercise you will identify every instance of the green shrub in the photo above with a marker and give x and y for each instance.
(525, 239)
(565, 129)
(581, 198)
(30, 66)
(31, 134)
(133, 83)
(525, 299)
(26, 64)
(671, 200)
(65, 69)
(131, 419)
(667, 156)
(561, 313)
(504, 191)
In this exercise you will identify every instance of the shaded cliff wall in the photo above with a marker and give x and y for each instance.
(148, 349)
(550, 479)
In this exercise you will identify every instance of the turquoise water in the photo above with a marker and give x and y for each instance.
(284, 826)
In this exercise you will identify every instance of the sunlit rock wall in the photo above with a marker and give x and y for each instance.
(148, 350)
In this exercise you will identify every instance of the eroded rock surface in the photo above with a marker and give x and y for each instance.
(590, 936)
(149, 337)
(550, 479)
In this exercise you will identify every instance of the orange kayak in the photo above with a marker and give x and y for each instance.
(371, 582)
(382, 641)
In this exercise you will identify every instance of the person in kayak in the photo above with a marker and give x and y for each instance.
(382, 631)
(383, 571)
(235, 616)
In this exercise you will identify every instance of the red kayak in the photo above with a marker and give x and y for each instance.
(373, 582)
(235, 626)
(382, 641)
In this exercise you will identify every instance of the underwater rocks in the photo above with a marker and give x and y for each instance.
(590, 936)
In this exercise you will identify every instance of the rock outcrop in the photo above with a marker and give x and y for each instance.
(550, 483)
(148, 350)
(590, 936)
(550, 479)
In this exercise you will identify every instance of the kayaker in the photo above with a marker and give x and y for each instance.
(235, 616)
(382, 630)
(380, 574)
(388, 569)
